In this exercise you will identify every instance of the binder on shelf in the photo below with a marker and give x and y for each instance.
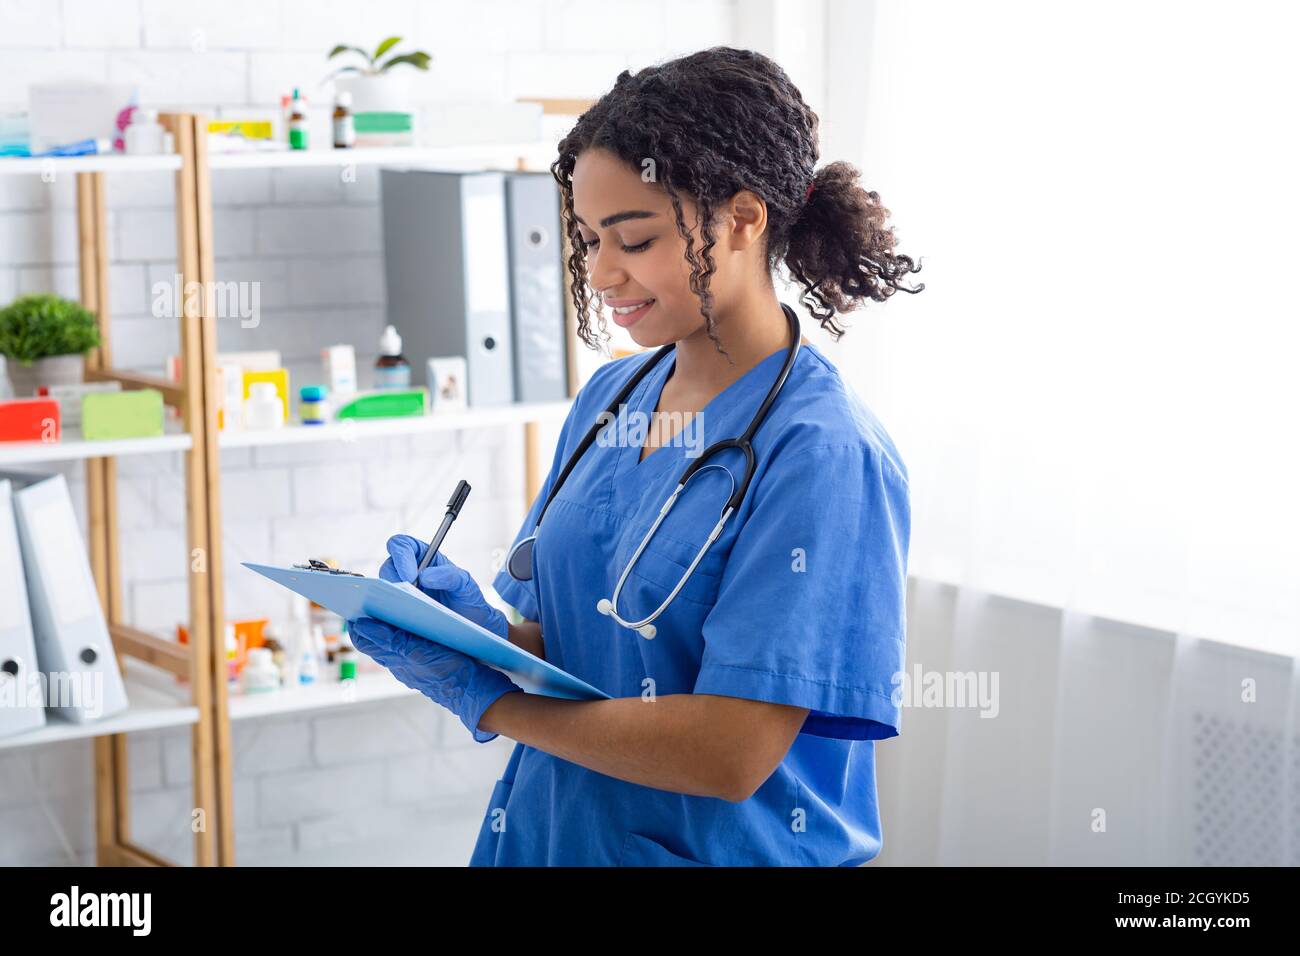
(536, 288)
(22, 695)
(73, 650)
(447, 272)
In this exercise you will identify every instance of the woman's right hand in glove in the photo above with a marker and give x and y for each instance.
(442, 580)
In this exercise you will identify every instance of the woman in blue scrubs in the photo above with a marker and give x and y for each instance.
(741, 732)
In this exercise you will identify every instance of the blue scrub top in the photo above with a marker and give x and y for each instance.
(801, 601)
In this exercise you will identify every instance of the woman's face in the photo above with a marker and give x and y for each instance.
(635, 253)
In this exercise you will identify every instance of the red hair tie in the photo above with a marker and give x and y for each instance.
(808, 194)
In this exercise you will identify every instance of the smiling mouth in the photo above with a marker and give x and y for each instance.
(627, 315)
(629, 309)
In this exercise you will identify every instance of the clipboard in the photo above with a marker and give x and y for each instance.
(404, 605)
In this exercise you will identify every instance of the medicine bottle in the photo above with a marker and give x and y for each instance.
(297, 122)
(392, 370)
(345, 130)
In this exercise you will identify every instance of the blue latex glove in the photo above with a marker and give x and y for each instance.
(443, 581)
(448, 677)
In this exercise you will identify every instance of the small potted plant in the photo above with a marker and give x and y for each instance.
(43, 338)
(381, 99)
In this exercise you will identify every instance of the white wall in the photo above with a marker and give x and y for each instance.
(314, 244)
(1098, 441)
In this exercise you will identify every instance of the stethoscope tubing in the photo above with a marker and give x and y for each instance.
(742, 442)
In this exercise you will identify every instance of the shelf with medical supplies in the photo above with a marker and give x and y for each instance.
(356, 429)
(505, 154)
(47, 166)
(323, 694)
(476, 153)
(157, 701)
(72, 447)
(184, 686)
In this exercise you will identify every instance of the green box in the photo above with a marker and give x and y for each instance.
(134, 414)
(379, 122)
(387, 403)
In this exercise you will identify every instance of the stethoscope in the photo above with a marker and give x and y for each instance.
(520, 561)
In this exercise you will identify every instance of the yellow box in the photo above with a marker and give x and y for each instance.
(134, 414)
(249, 129)
(279, 377)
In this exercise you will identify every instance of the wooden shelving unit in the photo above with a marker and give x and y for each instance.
(372, 686)
(151, 664)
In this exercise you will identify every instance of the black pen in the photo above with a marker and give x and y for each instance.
(453, 509)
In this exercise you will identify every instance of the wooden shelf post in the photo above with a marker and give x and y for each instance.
(112, 792)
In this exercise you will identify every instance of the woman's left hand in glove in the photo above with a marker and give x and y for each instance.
(452, 679)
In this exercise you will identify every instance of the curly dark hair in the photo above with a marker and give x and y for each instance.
(721, 120)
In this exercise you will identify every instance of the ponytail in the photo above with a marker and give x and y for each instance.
(840, 250)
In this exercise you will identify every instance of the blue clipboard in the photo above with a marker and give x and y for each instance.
(405, 606)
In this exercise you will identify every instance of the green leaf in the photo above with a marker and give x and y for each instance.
(418, 60)
(343, 47)
(385, 47)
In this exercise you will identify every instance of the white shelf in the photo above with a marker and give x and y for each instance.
(503, 153)
(72, 447)
(359, 428)
(324, 694)
(107, 163)
(378, 155)
(156, 701)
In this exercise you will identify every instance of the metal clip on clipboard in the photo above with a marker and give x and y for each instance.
(316, 565)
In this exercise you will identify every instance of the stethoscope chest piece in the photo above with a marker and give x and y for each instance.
(520, 560)
(606, 607)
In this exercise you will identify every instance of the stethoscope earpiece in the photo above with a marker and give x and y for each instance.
(604, 607)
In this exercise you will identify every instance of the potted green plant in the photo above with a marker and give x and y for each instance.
(43, 338)
(381, 98)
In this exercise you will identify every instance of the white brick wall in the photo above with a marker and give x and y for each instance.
(315, 787)
(353, 778)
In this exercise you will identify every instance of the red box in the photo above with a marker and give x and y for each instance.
(30, 419)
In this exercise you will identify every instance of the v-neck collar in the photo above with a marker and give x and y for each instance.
(651, 391)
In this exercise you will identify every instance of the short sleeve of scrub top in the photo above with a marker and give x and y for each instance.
(784, 641)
